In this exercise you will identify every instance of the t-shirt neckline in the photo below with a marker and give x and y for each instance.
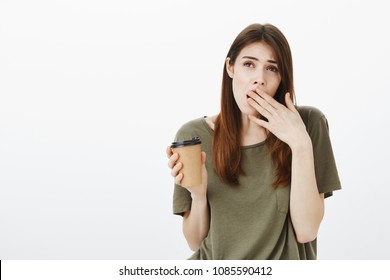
(211, 131)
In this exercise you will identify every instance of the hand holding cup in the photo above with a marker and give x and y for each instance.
(187, 162)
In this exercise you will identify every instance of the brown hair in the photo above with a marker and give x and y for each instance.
(226, 153)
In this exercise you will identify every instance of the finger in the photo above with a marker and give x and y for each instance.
(203, 158)
(176, 169)
(179, 178)
(169, 152)
(172, 160)
(270, 100)
(264, 103)
(259, 108)
(289, 102)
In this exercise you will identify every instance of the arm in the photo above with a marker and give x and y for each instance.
(306, 204)
(196, 220)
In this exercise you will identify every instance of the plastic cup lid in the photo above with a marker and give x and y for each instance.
(189, 142)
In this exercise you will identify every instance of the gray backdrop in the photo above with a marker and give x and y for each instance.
(92, 92)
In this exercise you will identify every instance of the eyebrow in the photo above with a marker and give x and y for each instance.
(255, 58)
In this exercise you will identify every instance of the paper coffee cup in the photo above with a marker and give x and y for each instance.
(190, 156)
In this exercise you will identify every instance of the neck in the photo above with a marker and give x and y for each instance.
(251, 133)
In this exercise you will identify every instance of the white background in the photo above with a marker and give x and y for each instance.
(92, 92)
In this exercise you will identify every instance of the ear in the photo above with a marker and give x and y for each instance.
(229, 68)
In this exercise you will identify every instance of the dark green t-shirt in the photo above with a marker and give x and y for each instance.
(252, 221)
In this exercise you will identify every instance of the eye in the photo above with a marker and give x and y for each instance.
(273, 68)
(249, 64)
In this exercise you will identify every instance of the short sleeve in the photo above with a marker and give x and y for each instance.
(324, 162)
(181, 200)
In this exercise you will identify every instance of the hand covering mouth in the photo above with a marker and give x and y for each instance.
(254, 91)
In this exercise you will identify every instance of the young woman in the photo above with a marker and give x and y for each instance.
(267, 164)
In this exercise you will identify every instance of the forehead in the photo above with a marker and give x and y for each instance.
(260, 50)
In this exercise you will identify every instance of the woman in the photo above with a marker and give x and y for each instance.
(267, 164)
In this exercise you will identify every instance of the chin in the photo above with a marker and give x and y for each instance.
(247, 109)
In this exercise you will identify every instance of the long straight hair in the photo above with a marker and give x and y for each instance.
(226, 153)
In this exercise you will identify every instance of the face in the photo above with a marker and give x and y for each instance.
(255, 68)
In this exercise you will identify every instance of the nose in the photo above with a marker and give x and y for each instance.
(259, 80)
(259, 83)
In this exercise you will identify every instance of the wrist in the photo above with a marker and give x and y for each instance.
(199, 196)
(302, 144)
